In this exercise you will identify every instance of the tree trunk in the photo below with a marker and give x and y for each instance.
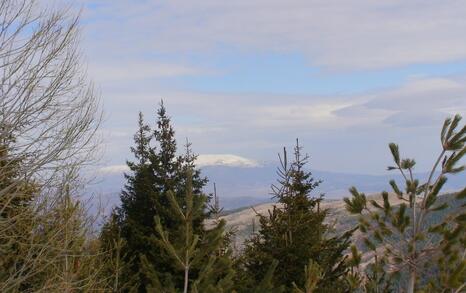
(186, 278)
(412, 280)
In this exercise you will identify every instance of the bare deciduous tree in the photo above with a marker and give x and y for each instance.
(49, 115)
(47, 104)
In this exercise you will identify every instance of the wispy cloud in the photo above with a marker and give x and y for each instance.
(128, 71)
(423, 102)
(353, 34)
(318, 114)
(408, 58)
(336, 128)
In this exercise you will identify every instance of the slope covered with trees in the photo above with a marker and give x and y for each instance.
(167, 235)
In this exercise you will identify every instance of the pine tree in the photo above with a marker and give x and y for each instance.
(138, 205)
(72, 261)
(402, 240)
(157, 172)
(199, 259)
(44, 237)
(16, 217)
(16, 192)
(294, 233)
(113, 247)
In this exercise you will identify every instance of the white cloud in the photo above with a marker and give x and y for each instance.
(320, 114)
(213, 117)
(189, 130)
(225, 160)
(336, 128)
(114, 169)
(422, 102)
(352, 34)
(127, 71)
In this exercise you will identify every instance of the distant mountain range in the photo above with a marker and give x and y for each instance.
(247, 186)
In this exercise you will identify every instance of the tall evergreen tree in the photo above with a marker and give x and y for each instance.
(157, 172)
(294, 233)
(138, 205)
(70, 262)
(16, 217)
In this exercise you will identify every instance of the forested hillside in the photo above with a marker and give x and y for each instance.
(167, 232)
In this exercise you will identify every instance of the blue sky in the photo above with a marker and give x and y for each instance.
(243, 78)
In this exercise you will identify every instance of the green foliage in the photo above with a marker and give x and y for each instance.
(313, 274)
(294, 234)
(404, 240)
(17, 193)
(189, 250)
(159, 218)
(267, 282)
(116, 262)
(16, 218)
(357, 203)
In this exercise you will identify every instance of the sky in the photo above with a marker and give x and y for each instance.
(241, 79)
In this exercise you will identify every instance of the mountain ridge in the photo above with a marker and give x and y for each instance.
(239, 186)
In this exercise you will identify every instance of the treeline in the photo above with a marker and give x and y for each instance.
(167, 235)
(163, 242)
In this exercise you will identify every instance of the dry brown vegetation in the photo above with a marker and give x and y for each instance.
(48, 119)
